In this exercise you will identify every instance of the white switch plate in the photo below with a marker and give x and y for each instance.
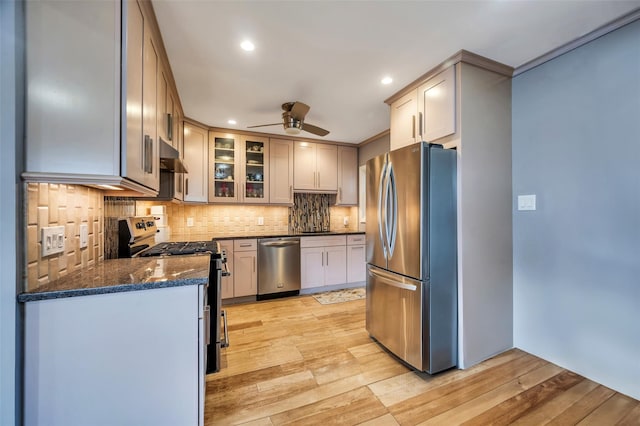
(52, 240)
(527, 202)
(189, 221)
(260, 221)
(84, 235)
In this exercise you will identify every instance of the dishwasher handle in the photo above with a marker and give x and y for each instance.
(285, 243)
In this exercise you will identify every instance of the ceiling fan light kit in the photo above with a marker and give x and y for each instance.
(293, 120)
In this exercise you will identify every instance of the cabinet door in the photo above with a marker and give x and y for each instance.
(163, 123)
(196, 144)
(225, 156)
(311, 267)
(178, 134)
(227, 282)
(403, 121)
(280, 171)
(335, 265)
(304, 166)
(347, 176)
(134, 42)
(172, 120)
(254, 173)
(327, 167)
(356, 264)
(437, 102)
(151, 158)
(245, 281)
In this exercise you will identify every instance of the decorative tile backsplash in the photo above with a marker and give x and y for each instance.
(310, 213)
(48, 204)
(115, 208)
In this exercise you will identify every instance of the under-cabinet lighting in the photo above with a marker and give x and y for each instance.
(115, 188)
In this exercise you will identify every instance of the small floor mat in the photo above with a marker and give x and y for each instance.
(338, 296)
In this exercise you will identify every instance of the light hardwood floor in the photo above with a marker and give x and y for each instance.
(294, 361)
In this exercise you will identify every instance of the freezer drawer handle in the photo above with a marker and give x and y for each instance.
(393, 283)
(224, 343)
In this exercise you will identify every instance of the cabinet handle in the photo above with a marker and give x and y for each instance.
(420, 124)
(413, 126)
(186, 186)
(169, 127)
(327, 258)
(318, 179)
(322, 261)
(314, 179)
(339, 195)
(291, 192)
(148, 154)
(245, 245)
(254, 264)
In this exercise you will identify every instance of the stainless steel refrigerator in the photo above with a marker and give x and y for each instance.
(411, 255)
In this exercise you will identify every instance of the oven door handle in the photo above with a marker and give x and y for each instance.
(224, 343)
(226, 272)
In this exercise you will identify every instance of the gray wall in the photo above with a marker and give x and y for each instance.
(11, 100)
(576, 145)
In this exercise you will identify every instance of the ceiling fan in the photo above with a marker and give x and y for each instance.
(293, 120)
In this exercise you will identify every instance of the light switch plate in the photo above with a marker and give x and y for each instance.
(527, 202)
(189, 221)
(52, 240)
(260, 221)
(84, 235)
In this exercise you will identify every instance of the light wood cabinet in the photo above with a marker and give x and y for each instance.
(196, 160)
(162, 93)
(323, 261)
(347, 176)
(427, 113)
(280, 171)
(437, 106)
(404, 112)
(239, 169)
(151, 158)
(245, 267)
(315, 167)
(356, 261)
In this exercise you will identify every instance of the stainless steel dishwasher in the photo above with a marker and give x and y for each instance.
(278, 267)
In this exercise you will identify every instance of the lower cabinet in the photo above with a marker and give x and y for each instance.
(125, 358)
(356, 261)
(245, 267)
(323, 261)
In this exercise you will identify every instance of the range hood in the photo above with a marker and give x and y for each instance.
(170, 158)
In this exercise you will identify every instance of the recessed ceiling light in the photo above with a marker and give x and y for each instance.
(247, 45)
(232, 121)
(386, 80)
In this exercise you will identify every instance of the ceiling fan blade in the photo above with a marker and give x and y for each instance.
(299, 110)
(265, 125)
(314, 129)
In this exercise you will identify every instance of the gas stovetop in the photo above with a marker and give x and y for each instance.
(181, 248)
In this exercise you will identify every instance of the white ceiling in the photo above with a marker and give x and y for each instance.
(332, 55)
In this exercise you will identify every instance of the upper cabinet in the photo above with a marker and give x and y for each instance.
(315, 167)
(347, 176)
(404, 112)
(196, 160)
(437, 106)
(239, 170)
(427, 113)
(281, 171)
(92, 106)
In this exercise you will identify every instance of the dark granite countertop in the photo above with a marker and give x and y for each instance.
(118, 275)
(213, 236)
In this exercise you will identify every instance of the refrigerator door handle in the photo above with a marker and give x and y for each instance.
(393, 213)
(381, 209)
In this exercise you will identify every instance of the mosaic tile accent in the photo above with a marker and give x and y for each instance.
(310, 213)
(48, 204)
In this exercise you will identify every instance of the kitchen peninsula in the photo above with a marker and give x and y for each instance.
(99, 341)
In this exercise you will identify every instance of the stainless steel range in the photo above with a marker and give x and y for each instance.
(136, 234)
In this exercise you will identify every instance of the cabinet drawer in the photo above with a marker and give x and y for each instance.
(324, 241)
(245, 245)
(355, 240)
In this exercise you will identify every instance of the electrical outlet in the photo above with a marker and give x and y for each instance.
(260, 221)
(189, 221)
(52, 240)
(84, 235)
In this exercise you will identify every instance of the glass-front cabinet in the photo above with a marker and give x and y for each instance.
(238, 170)
(256, 163)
